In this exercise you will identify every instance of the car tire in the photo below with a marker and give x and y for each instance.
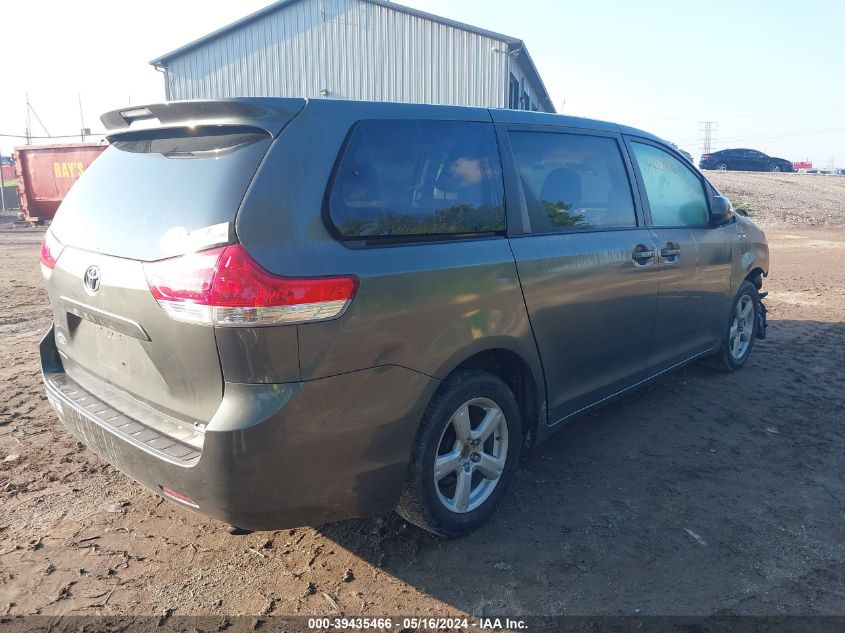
(721, 166)
(775, 168)
(456, 501)
(738, 340)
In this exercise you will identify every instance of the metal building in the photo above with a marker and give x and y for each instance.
(356, 49)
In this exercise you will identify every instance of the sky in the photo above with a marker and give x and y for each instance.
(770, 73)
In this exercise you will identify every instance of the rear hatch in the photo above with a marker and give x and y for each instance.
(155, 194)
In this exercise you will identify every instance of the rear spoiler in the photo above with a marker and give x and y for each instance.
(268, 114)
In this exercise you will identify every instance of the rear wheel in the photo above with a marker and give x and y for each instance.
(741, 331)
(467, 449)
(721, 166)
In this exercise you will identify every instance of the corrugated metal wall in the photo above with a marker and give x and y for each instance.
(535, 95)
(345, 49)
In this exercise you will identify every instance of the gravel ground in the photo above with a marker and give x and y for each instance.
(786, 200)
(703, 493)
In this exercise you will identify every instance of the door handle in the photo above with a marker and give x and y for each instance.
(670, 253)
(642, 255)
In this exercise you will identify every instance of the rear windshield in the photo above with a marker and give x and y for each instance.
(151, 186)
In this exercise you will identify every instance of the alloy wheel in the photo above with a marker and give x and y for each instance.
(471, 455)
(742, 327)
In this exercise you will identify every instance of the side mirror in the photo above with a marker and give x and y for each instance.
(721, 210)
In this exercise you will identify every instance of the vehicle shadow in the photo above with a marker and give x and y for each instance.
(704, 492)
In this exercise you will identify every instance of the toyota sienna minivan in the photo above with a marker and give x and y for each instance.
(280, 312)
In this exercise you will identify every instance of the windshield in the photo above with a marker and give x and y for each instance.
(151, 185)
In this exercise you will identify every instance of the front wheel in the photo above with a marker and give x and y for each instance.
(774, 168)
(739, 338)
(466, 452)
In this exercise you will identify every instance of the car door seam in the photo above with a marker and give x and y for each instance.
(544, 408)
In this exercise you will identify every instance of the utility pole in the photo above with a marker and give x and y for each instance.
(2, 187)
(28, 122)
(30, 111)
(707, 128)
(82, 129)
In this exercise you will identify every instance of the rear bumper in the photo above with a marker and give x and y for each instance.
(273, 455)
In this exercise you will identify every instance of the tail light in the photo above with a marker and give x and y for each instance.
(51, 248)
(225, 286)
(706, 156)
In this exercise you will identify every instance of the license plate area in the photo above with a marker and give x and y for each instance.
(111, 355)
(113, 351)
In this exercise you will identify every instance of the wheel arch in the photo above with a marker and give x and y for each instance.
(522, 373)
(755, 276)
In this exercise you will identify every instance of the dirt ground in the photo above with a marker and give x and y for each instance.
(703, 493)
(786, 201)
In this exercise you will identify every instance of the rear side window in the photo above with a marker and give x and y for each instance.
(152, 188)
(401, 178)
(675, 194)
(572, 181)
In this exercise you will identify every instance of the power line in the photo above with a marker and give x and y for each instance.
(30, 111)
(38, 118)
(743, 116)
(763, 137)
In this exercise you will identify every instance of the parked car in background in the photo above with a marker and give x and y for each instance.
(743, 160)
(281, 312)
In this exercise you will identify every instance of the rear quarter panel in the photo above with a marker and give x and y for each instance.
(423, 306)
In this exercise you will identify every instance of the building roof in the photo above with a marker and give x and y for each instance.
(512, 42)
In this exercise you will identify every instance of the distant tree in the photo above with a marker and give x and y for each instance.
(559, 215)
(685, 153)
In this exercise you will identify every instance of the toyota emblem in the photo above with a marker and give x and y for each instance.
(91, 281)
